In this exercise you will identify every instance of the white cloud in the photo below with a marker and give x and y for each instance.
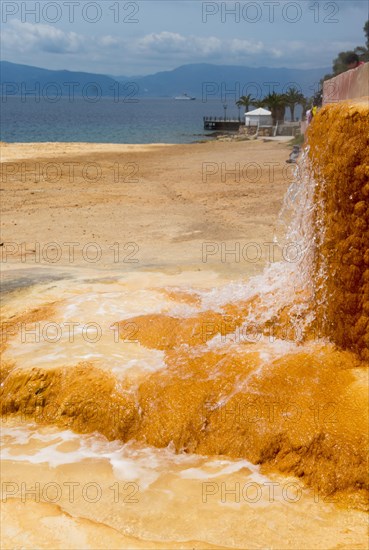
(109, 41)
(175, 44)
(162, 42)
(24, 42)
(23, 37)
(246, 47)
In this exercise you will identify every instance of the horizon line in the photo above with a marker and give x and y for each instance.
(163, 70)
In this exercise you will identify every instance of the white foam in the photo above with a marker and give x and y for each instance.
(129, 461)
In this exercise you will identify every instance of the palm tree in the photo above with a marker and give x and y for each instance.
(245, 101)
(259, 103)
(277, 105)
(293, 97)
(304, 104)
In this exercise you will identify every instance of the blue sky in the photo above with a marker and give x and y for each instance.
(122, 37)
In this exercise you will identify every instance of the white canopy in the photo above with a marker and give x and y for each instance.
(258, 112)
(260, 117)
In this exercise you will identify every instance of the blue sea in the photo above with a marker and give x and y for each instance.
(161, 120)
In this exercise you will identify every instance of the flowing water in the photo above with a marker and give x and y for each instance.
(151, 410)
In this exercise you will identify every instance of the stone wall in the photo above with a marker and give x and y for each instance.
(351, 84)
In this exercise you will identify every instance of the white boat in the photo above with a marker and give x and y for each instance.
(185, 97)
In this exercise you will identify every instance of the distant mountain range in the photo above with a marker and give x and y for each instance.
(22, 79)
(205, 81)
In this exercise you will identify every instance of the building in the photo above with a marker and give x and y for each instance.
(260, 117)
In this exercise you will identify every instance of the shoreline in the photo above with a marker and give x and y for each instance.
(125, 147)
(27, 149)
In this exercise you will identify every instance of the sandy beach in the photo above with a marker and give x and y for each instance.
(142, 206)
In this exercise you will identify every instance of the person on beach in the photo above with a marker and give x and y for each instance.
(353, 61)
(317, 103)
(294, 154)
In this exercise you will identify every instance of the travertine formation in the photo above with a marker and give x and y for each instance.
(339, 155)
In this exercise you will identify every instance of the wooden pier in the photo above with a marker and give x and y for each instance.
(282, 128)
(223, 124)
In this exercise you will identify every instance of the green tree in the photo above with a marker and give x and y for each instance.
(277, 105)
(340, 64)
(245, 101)
(363, 51)
(292, 98)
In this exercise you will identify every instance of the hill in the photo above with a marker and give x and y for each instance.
(202, 80)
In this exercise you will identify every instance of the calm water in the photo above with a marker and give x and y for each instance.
(107, 121)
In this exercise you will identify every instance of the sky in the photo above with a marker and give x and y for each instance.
(132, 38)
